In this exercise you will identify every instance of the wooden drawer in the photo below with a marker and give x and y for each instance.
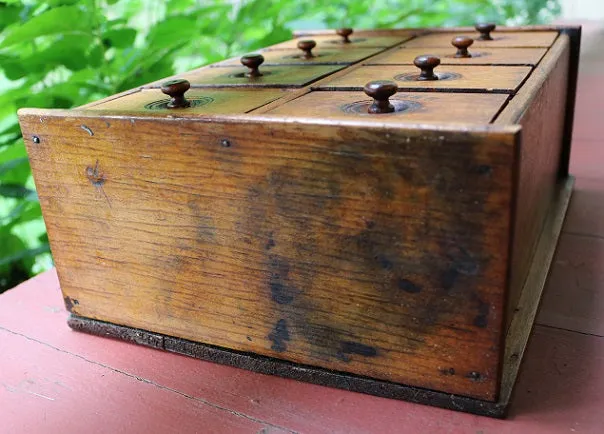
(500, 40)
(290, 231)
(152, 102)
(273, 76)
(334, 41)
(321, 56)
(480, 56)
(411, 107)
(504, 79)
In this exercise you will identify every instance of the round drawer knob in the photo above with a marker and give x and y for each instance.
(485, 30)
(345, 33)
(462, 43)
(307, 46)
(380, 91)
(252, 61)
(176, 90)
(427, 63)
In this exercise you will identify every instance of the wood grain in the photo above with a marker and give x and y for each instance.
(332, 41)
(274, 76)
(480, 56)
(417, 107)
(289, 242)
(503, 79)
(541, 105)
(500, 40)
(215, 101)
(323, 55)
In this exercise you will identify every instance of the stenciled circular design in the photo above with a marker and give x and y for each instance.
(401, 106)
(244, 74)
(302, 57)
(474, 54)
(413, 76)
(196, 101)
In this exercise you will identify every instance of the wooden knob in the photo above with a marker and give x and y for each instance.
(485, 30)
(252, 61)
(462, 43)
(427, 63)
(380, 91)
(345, 33)
(176, 90)
(307, 46)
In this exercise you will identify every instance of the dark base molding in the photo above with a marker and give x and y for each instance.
(281, 368)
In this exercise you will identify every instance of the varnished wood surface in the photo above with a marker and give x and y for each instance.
(500, 40)
(333, 41)
(416, 107)
(288, 241)
(274, 76)
(151, 102)
(541, 103)
(505, 79)
(480, 56)
(321, 55)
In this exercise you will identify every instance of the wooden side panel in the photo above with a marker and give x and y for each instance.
(541, 104)
(365, 249)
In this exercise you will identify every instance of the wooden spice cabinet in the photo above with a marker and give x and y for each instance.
(278, 226)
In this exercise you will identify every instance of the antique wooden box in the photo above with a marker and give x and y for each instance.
(374, 210)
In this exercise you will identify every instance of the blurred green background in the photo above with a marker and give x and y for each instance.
(64, 53)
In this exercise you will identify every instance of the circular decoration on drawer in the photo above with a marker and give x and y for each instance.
(245, 75)
(415, 77)
(401, 106)
(475, 54)
(195, 102)
(339, 41)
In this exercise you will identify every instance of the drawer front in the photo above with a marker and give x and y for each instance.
(503, 79)
(273, 76)
(335, 41)
(500, 39)
(480, 56)
(152, 102)
(410, 107)
(322, 55)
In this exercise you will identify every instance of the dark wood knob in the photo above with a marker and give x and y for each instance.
(427, 63)
(307, 46)
(485, 30)
(345, 33)
(176, 90)
(462, 43)
(380, 91)
(252, 61)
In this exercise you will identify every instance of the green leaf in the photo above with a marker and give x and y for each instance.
(24, 254)
(17, 191)
(12, 164)
(173, 31)
(63, 19)
(119, 38)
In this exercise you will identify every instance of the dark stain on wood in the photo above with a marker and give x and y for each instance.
(70, 303)
(358, 348)
(279, 336)
(282, 290)
(482, 318)
(94, 175)
(408, 286)
(449, 371)
(475, 376)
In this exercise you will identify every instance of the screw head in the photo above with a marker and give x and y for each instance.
(35, 139)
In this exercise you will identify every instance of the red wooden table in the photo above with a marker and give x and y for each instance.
(54, 380)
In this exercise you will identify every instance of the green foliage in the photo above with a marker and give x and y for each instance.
(65, 53)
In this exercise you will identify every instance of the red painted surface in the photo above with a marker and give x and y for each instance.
(54, 380)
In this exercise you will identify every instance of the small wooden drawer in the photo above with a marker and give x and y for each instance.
(273, 76)
(500, 39)
(152, 102)
(410, 107)
(502, 79)
(335, 41)
(322, 55)
(480, 56)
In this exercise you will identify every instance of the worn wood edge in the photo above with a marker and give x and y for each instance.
(524, 315)
(264, 120)
(525, 96)
(518, 337)
(418, 31)
(574, 35)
